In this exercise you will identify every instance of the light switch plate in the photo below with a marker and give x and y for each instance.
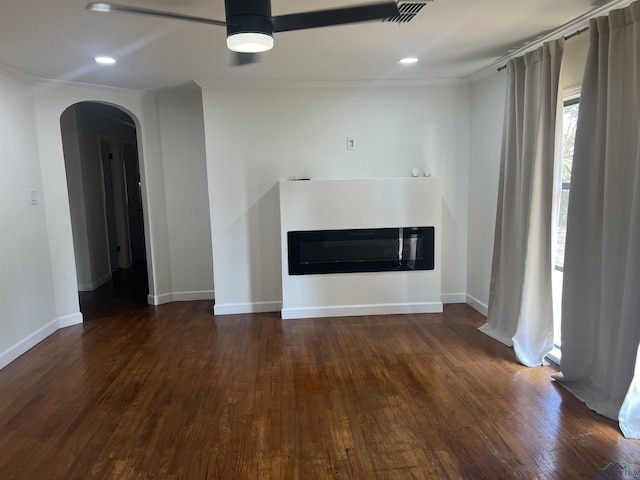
(33, 197)
(351, 143)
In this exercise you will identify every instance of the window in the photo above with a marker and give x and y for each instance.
(569, 122)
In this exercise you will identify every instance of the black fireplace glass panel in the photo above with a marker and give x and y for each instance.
(360, 250)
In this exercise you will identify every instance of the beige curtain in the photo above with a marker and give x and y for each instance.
(601, 293)
(520, 302)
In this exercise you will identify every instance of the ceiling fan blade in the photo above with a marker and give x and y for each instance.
(337, 16)
(239, 59)
(114, 7)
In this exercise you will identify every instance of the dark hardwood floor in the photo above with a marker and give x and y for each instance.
(173, 392)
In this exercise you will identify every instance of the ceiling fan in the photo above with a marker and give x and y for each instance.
(250, 26)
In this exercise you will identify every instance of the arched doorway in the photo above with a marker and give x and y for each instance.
(105, 200)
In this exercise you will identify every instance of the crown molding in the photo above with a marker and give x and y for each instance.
(48, 82)
(372, 83)
(16, 74)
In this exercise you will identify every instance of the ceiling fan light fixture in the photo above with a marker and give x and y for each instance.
(250, 25)
(249, 42)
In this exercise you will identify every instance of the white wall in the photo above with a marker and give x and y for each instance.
(257, 136)
(75, 186)
(187, 196)
(27, 310)
(487, 111)
(574, 61)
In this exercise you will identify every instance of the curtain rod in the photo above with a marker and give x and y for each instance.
(567, 37)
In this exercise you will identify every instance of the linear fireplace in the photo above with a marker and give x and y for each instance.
(330, 228)
(360, 250)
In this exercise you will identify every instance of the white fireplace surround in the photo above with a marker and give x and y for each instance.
(351, 204)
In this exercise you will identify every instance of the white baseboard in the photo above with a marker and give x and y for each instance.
(159, 299)
(254, 307)
(355, 310)
(24, 345)
(453, 298)
(180, 297)
(90, 287)
(197, 295)
(70, 320)
(481, 307)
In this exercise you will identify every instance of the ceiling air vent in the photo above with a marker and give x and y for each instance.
(408, 11)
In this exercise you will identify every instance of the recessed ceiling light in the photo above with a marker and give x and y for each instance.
(409, 60)
(99, 7)
(105, 60)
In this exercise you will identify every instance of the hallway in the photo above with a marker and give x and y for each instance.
(126, 292)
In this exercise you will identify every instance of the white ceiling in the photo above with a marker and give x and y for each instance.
(58, 39)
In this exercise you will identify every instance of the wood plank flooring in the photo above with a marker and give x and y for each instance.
(173, 392)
